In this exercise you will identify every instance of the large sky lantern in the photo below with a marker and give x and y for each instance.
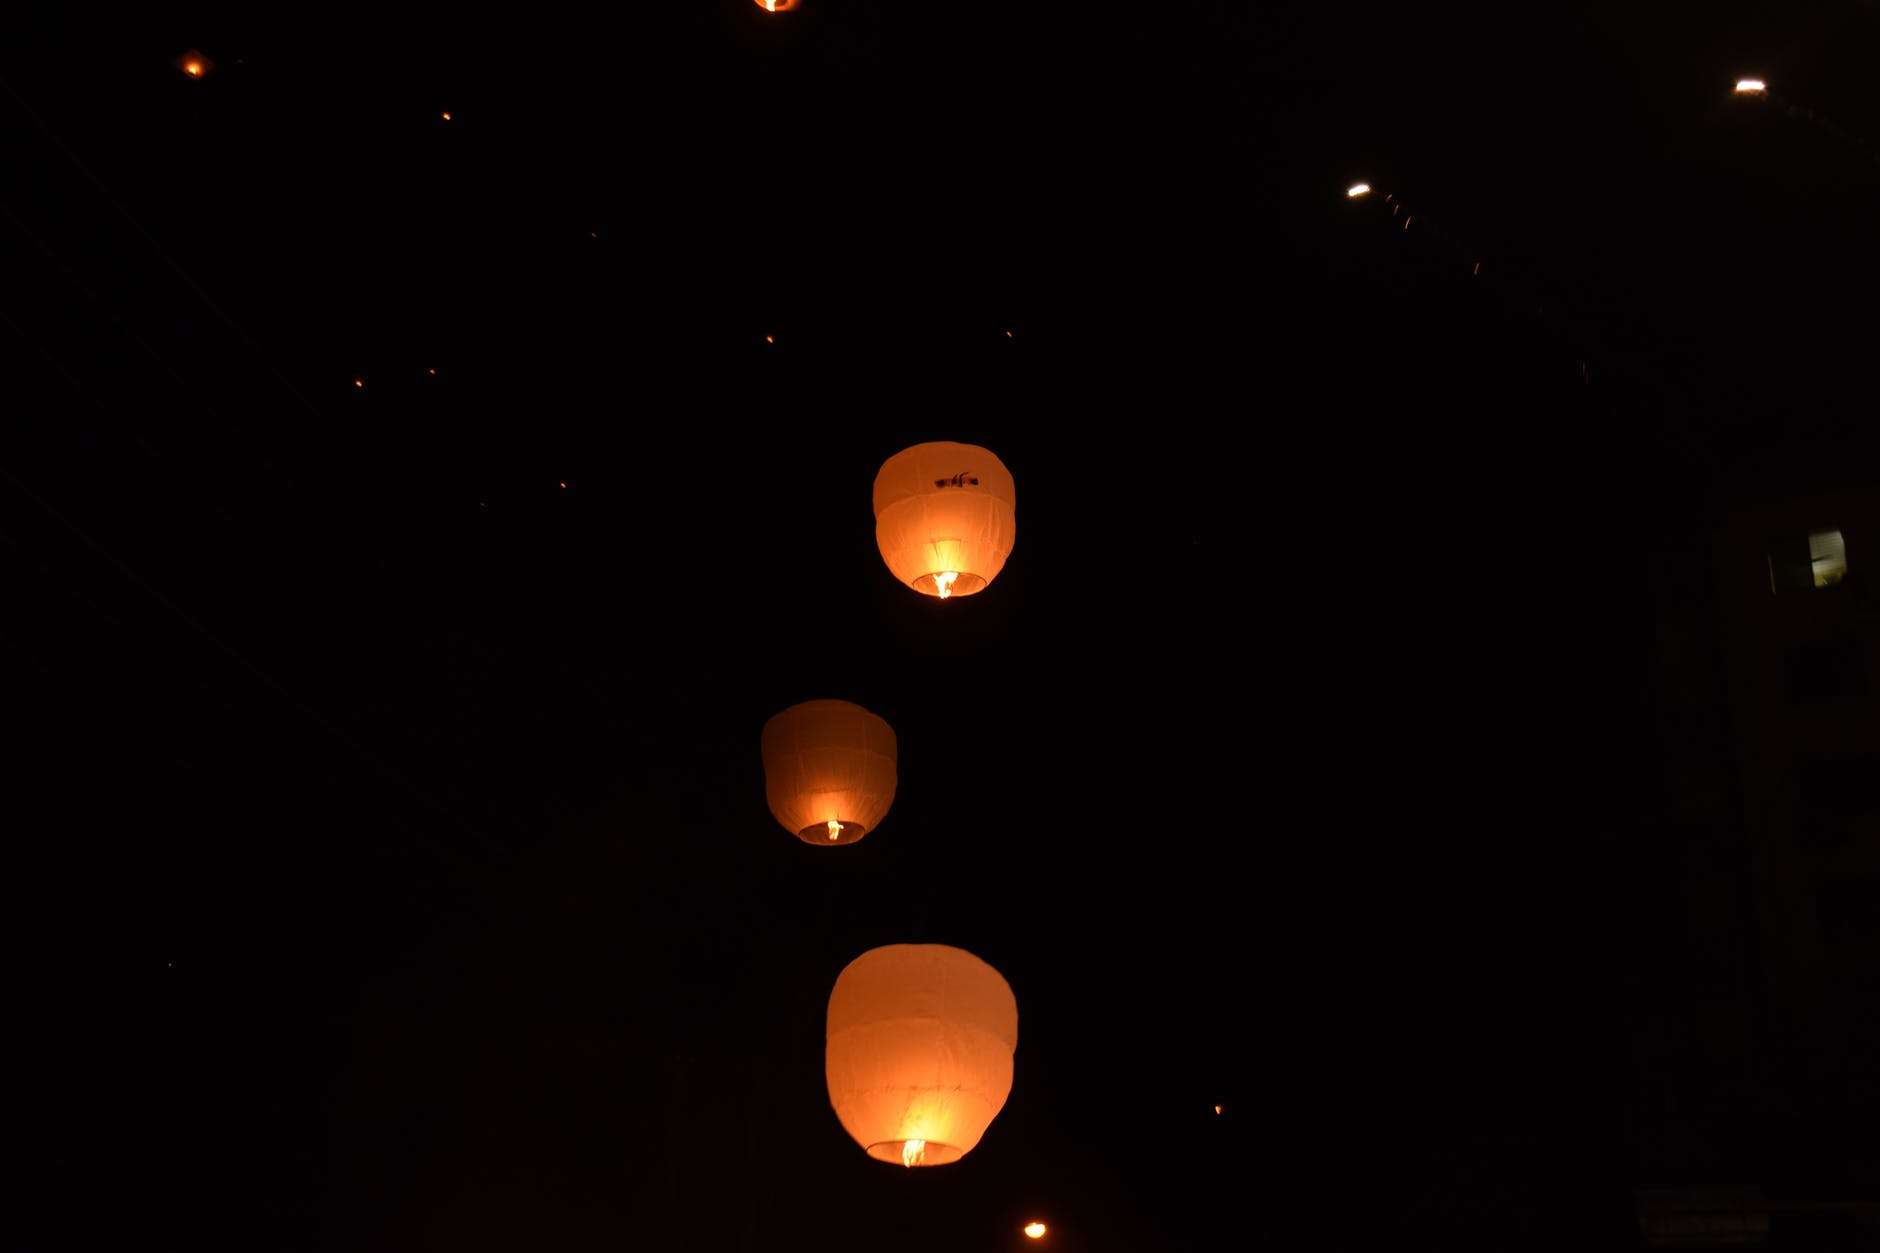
(945, 517)
(919, 1053)
(829, 770)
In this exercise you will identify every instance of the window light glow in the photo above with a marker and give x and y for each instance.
(1827, 557)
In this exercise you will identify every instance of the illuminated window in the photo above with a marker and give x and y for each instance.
(1820, 561)
(1827, 557)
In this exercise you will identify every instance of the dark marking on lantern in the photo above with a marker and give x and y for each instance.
(964, 478)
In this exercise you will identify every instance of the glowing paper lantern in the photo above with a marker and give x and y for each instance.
(777, 6)
(945, 517)
(829, 770)
(919, 1053)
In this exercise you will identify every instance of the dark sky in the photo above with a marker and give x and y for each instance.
(394, 866)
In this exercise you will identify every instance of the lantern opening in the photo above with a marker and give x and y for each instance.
(832, 832)
(913, 1153)
(945, 583)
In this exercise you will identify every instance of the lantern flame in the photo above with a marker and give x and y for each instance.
(1750, 86)
(944, 582)
(1357, 189)
(835, 829)
(1034, 1230)
(913, 1152)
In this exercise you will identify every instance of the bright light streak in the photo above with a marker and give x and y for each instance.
(1034, 1230)
(1358, 189)
(1750, 86)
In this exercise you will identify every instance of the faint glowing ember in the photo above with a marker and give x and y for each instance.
(1217, 1109)
(776, 6)
(446, 115)
(944, 582)
(1750, 86)
(194, 64)
(835, 829)
(1358, 189)
(770, 339)
(1034, 1230)
(913, 1152)
(359, 382)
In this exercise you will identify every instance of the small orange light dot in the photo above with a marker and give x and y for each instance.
(564, 485)
(1217, 1109)
(359, 382)
(430, 371)
(1034, 1230)
(445, 115)
(770, 339)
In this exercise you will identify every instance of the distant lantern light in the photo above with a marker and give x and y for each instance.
(1035, 1230)
(777, 6)
(945, 517)
(919, 1052)
(1358, 189)
(194, 64)
(829, 770)
(1750, 86)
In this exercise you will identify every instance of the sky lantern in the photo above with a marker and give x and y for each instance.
(945, 517)
(829, 770)
(777, 6)
(193, 63)
(919, 1053)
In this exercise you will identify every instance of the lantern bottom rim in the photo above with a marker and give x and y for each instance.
(965, 583)
(818, 834)
(935, 1153)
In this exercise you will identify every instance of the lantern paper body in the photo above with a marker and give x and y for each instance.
(828, 761)
(919, 1054)
(945, 517)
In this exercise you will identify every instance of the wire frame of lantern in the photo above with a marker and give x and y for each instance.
(829, 770)
(945, 517)
(919, 1051)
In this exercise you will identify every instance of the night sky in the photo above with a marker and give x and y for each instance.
(411, 521)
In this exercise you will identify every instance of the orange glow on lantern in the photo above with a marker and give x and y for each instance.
(1034, 1230)
(777, 6)
(194, 64)
(829, 770)
(919, 1051)
(945, 517)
